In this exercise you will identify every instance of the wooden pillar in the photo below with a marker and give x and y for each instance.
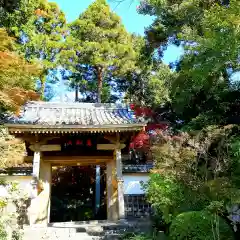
(45, 194)
(39, 208)
(36, 162)
(120, 183)
(97, 189)
(112, 196)
(36, 170)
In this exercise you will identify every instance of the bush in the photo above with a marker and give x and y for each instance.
(170, 197)
(133, 236)
(199, 225)
(12, 211)
(3, 233)
(158, 222)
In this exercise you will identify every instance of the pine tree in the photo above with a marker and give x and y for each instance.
(102, 43)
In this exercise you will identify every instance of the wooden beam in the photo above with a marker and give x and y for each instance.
(47, 148)
(45, 139)
(110, 146)
(114, 139)
(74, 163)
(75, 160)
(17, 129)
(50, 148)
(28, 159)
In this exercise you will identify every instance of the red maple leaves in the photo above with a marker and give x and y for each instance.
(141, 111)
(40, 13)
(142, 139)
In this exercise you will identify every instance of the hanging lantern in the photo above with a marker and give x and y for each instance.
(89, 143)
(79, 142)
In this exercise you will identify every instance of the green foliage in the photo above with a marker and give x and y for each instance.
(12, 151)
(101, 41)
(157, 88)
(133, 236)
(18, 18)
(39, 28)
(158, 222)
(209, 33)
(46, 38)
(173, 16)
(200, 164)
(169, 197)
(165, 194)
(199, 226)
(149, 85)
(11, 221)
(17, 76)
(9, 6)
(206, 68)
(234, 144)
(3, 232)
(103, 37)
(193, 173)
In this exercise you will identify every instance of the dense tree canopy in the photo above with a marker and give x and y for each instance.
(46, 39)
(203, 90)
(207, 67)
(17, 76)
(39, 28)
(9, 6)
(103, 43)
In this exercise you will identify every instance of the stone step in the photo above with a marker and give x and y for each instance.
(56, 234)
(66, 236)
(84, 231)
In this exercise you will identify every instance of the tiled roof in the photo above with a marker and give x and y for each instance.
(22, 170)
(75, 114)
(137, 168)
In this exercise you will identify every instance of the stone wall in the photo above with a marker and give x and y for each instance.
(18, 201)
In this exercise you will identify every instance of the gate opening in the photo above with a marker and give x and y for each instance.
(78, 193)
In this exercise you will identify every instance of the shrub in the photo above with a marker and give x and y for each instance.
(133, 236)
(199, 225)
(12, 214)
(170, 197)
(3, 233)
(158, 222)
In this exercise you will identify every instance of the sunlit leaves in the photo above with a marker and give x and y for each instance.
(17, 76)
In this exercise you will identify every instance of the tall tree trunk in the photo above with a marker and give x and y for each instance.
(76, 92)
(42, 89)
(99, 71)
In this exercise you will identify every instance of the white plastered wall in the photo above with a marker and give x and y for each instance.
(132, 183)
(23, 181)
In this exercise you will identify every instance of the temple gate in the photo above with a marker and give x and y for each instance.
(74, 134)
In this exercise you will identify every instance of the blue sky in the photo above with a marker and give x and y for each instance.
(133, 21)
